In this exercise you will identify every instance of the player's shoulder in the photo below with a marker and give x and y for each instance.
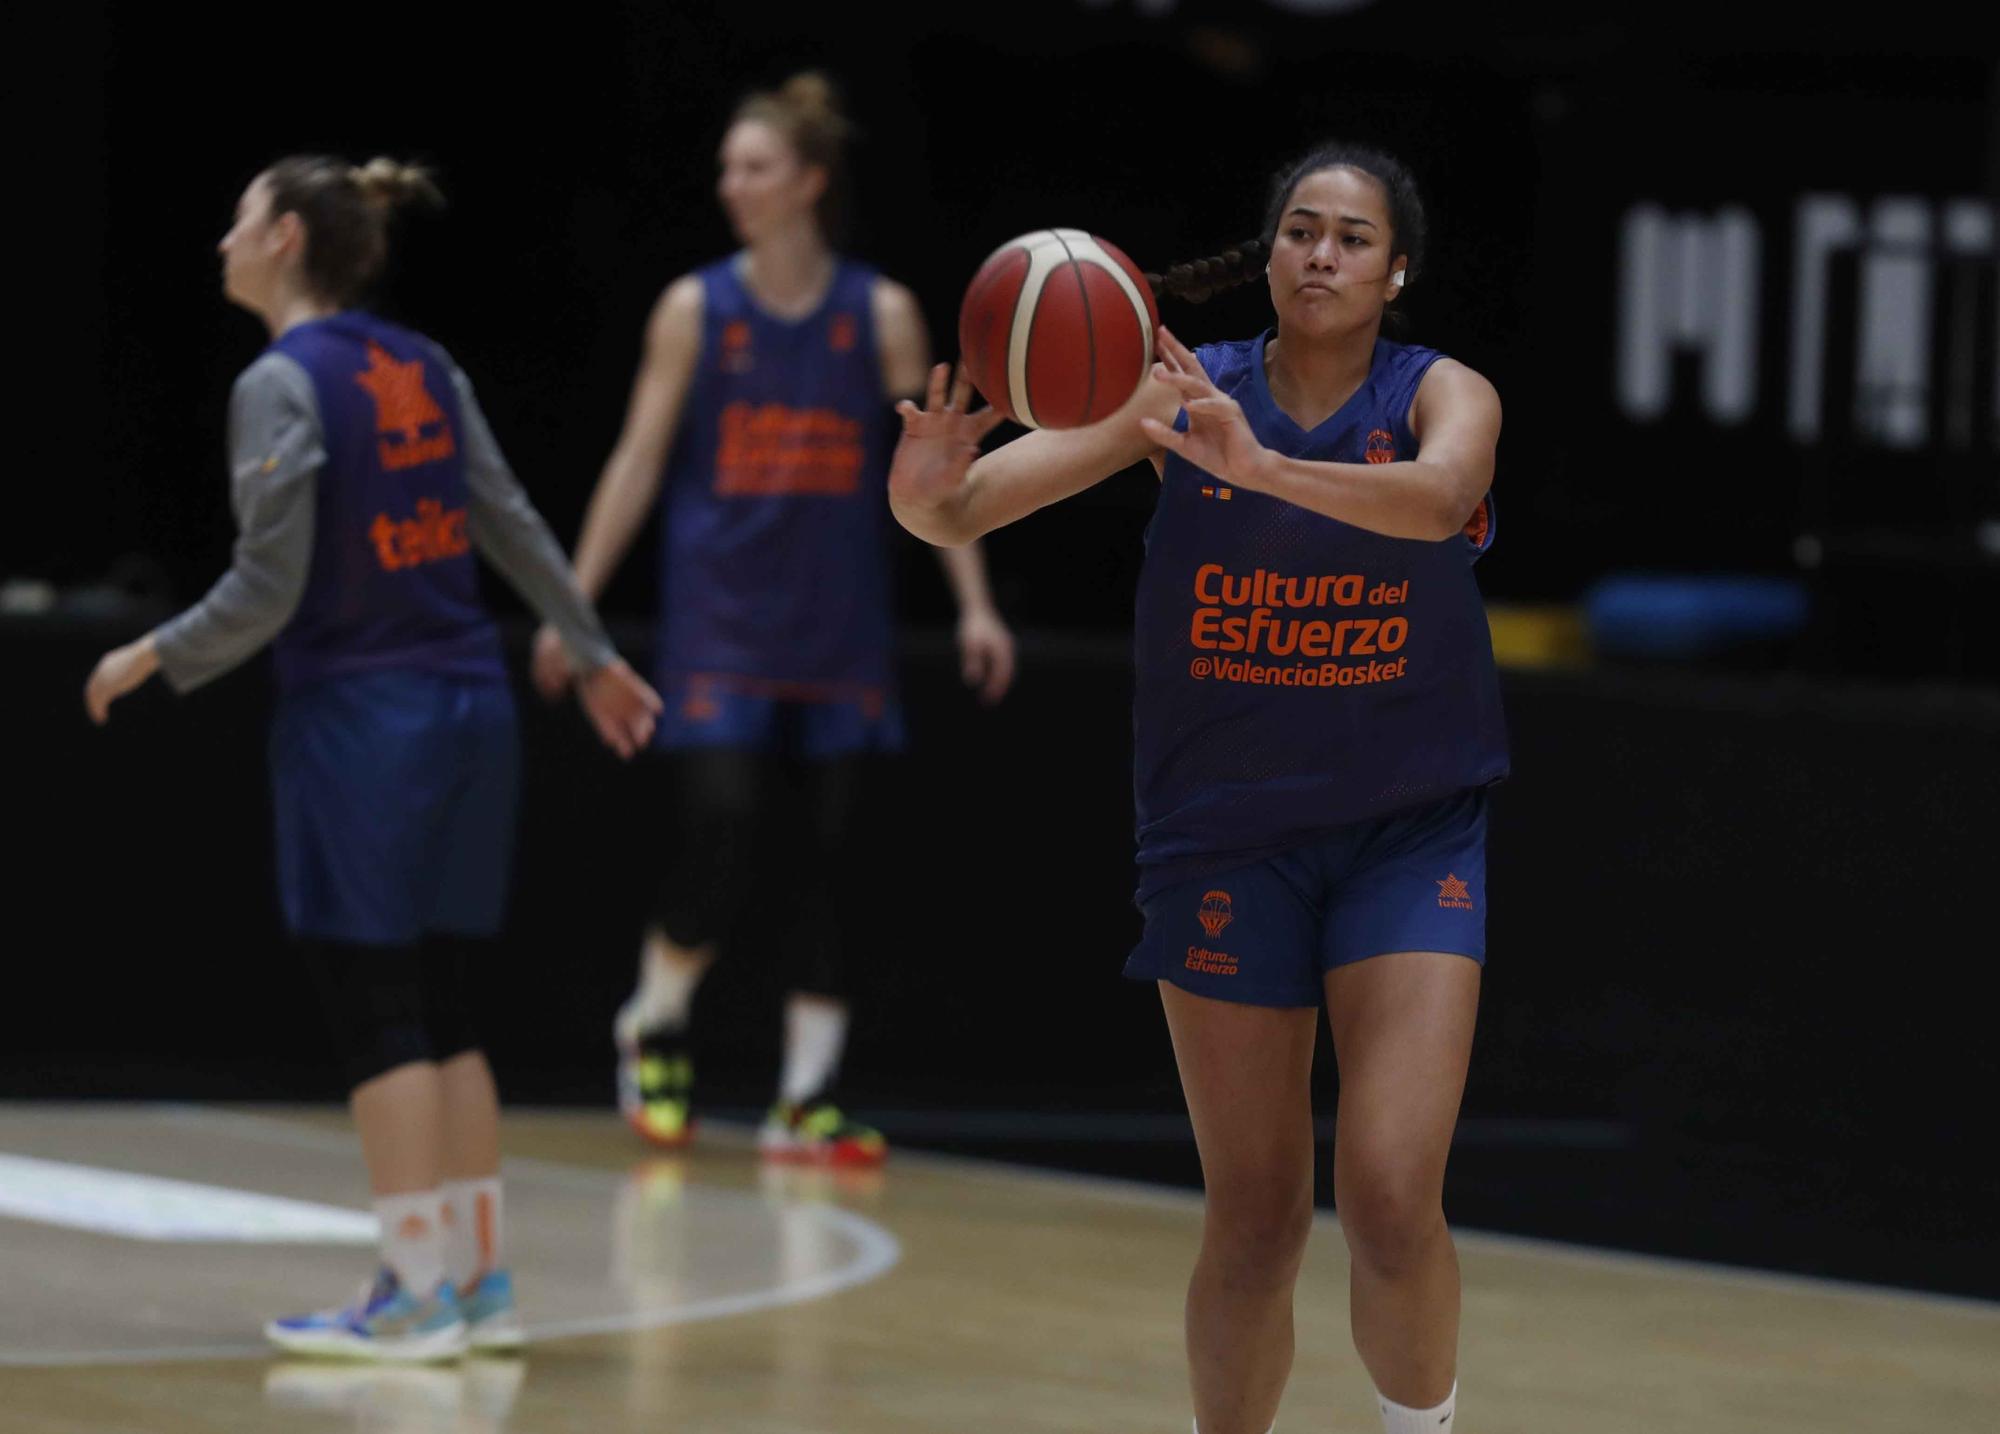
(683, 295)
(1227, 361)
(275, 374)
(893, 306)
(677, 313)
(1450, 380)
(887, 295)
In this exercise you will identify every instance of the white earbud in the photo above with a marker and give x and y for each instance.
(1396, 279)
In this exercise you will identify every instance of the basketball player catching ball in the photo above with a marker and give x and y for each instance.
(363, 476)
(759, 409)
(1317, 720)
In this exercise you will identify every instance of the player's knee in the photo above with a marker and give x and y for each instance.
(445, 971)
(1390, 1220)
(373, 1000)
(1256, 1234)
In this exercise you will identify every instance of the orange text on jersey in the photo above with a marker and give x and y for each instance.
(769, 448)
(435, 533)
(1258, 596)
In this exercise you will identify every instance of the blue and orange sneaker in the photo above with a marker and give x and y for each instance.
(492, 1319)
(816, 1132)
(387, 1323)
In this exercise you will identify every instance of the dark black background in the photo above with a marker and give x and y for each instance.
(1742, 920)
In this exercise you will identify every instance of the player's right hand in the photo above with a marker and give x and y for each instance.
(549, 664)
(621, 705)
(939, 442)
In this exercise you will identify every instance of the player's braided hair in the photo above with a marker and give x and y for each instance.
(345, 209)
(1201, 279)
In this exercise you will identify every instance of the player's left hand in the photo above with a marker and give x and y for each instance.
(621, 705)
(986, 654)
(118, 672)
(1218, 438)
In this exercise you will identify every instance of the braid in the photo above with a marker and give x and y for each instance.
(1201, 279)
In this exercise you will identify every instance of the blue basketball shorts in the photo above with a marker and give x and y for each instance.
(395, 796)
(1266, 933)
(782, 718)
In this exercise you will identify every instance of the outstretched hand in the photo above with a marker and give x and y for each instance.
(1218, 437)
(939, 441)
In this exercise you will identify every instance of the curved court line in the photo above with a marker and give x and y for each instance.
(877, 1252)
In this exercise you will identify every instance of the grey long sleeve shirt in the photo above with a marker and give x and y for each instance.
(276, 452)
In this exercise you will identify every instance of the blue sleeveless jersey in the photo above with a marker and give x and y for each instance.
(1296, 673)
(775, 566)
(392, 582)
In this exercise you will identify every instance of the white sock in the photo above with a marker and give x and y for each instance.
(471, 1228)
(815, 1035)
(412, 1238)
(667, 980)
(1397, 1419)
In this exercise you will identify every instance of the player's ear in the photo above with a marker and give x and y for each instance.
(288, 229)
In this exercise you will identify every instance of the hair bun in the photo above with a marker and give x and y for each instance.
(812, 93)
(392, 184)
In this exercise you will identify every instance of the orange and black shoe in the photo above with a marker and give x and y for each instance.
(816, 1132)
(656, 1089)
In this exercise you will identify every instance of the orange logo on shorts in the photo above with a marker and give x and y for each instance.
(1210, 963)
(1381, 446)
(1452, 893)
(1215, 913)
(700, 705)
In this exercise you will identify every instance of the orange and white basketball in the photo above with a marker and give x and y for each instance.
(1056, 330)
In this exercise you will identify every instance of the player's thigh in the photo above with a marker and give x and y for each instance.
(1402, 1034)
(352, 787)
(471, 842)
(1246, 1071)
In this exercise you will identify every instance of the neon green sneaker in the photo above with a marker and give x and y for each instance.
(815, 1132)
(656, 1090)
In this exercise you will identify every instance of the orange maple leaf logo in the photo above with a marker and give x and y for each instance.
(401, 403)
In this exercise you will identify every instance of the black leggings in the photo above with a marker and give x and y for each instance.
(391, 1006)
(761, 832)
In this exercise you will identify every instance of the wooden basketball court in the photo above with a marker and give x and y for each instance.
(709, 1292)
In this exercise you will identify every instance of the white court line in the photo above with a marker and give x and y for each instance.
(877, 1251)
(104, 1201)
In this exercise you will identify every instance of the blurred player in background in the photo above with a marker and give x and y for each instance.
(363, 476)
(758, 423)
(1317, 719)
